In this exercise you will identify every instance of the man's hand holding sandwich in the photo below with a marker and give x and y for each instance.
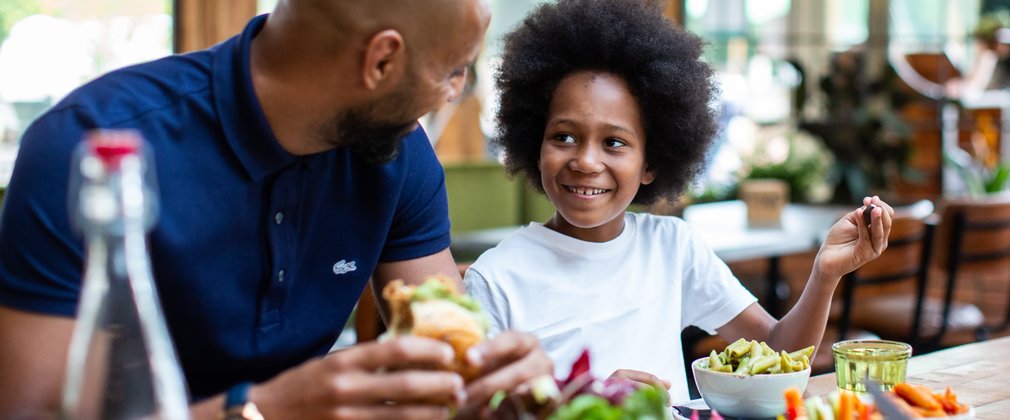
(436, 309)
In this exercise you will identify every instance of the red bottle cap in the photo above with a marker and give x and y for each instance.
(112, 145)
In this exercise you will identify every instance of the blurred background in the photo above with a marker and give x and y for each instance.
(839, 98)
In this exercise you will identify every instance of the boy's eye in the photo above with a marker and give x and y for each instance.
(614, 143)
(565, 138)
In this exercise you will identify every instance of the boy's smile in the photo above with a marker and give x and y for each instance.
(592, 159)
(585, 191)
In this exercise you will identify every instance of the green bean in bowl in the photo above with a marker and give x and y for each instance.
(755, 358)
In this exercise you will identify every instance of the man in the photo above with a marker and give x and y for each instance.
(291, 170)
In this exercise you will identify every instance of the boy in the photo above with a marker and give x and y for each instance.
(604, 104)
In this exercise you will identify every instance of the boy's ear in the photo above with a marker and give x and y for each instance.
(385, 57)
(648, 177)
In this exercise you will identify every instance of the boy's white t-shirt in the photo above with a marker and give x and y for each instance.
(627, 299)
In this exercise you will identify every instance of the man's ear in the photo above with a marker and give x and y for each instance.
(385, 57)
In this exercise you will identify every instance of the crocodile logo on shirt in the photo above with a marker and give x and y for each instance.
(343, 267)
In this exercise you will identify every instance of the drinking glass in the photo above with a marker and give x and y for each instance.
(883, 360)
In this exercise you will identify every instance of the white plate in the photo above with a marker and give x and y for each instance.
(696, 404)
(969, 415)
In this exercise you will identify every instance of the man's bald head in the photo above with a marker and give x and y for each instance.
(341, 23)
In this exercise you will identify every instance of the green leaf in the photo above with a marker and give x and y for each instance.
(434, 289)
(587, 407)
(999, 179)
(497, 398)
(646, 403)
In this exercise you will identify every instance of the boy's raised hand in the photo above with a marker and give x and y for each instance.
(851, 243)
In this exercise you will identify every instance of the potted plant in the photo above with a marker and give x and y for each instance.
(869, 142)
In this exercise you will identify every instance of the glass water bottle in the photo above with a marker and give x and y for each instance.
(121, 363)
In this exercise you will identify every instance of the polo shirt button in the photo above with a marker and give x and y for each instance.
(278, 218)
(280, 276)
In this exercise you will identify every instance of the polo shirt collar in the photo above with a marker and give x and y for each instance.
(242, 119)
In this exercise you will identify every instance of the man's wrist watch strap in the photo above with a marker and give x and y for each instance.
(237, 405)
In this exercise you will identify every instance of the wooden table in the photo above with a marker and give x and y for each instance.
(979, 373)
(723, 225)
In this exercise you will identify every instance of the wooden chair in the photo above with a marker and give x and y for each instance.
(973, 240)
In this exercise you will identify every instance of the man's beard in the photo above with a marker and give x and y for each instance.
(378, 142)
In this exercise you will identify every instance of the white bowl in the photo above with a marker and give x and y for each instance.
(746, 395)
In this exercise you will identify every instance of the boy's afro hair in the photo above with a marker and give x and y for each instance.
(630, 38)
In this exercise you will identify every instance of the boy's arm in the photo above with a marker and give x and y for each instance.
(803, 326)
(848, 245)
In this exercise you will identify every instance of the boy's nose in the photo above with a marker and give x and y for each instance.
(587, 159)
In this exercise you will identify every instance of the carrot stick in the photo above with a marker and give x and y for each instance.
(864, 411)
(951, 398)
(796, 409)
(925, 412)
(948, 405)
(916, 397)
(845, 407)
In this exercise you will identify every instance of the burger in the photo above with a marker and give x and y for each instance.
(436, 309)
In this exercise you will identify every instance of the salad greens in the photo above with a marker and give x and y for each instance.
(434, 290)
(583, 397)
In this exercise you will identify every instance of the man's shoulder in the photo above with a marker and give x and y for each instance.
(417, 147)
(135, 91)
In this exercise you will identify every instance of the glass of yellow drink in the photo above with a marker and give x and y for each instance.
(884, 361)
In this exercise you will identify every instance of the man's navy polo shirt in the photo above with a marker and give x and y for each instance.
(259, 256)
